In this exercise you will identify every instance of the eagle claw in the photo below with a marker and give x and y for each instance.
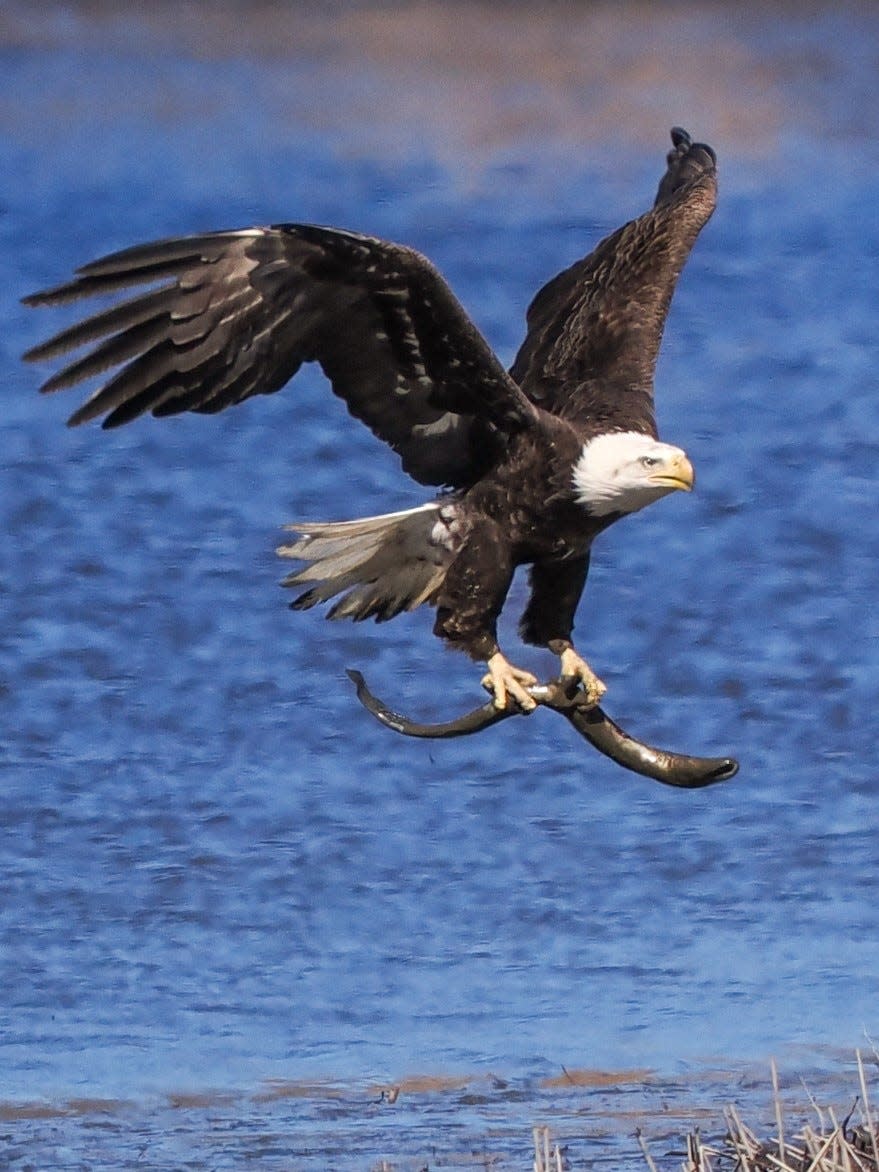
(577, 670)
(507, 683)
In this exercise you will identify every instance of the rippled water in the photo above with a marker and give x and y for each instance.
(217, 874)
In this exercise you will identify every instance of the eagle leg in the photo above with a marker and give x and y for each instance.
(507, 683)
(574, 667)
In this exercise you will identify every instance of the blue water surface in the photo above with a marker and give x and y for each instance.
(215, 868)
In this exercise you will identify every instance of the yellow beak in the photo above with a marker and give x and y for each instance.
(678, 473)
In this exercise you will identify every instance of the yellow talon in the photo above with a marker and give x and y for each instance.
(505, 682)
(574, 667)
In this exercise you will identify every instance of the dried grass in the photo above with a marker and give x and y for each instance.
(546, 1159)
(830, 1145)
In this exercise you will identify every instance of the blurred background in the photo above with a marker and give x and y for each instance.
(232, 906)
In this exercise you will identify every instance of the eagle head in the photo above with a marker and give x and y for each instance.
(622, 471)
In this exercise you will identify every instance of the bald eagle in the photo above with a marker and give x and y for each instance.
(531, 464)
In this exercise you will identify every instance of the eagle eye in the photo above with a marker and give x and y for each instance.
(650, 461)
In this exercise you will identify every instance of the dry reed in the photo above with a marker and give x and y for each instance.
(830, 1146)
(546, 1159)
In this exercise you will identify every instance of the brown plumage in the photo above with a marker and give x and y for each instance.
(533, 463)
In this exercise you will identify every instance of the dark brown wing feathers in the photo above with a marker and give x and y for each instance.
(229, 315)
(594, 330)
(235, 314)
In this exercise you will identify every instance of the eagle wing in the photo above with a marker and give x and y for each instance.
(233, 314)
(594, 331)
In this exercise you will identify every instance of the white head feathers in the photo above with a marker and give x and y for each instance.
(622, 471)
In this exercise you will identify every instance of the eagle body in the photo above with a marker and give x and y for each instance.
(531, 464)
(522, 513)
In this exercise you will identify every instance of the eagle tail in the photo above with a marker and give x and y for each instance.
(380, 565)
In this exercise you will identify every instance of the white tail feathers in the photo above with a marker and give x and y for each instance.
(385, 564)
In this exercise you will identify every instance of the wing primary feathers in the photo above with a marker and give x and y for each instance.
(687, 163)
(116, 349)
(144, 380)
(111, 398)
(594, 331)
(168, 254)
(119, 317)
(87, 286)
(235, 314)
(131, 407)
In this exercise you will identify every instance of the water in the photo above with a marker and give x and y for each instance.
(220, 880)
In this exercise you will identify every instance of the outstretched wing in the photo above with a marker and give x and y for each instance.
(594, 331)
(234, 314)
